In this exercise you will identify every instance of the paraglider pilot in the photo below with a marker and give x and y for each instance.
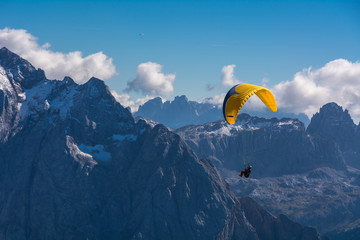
(236, 98)
(246, 172)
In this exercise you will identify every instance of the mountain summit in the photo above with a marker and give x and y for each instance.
(20, 70)
(331, 121)
(335, 124)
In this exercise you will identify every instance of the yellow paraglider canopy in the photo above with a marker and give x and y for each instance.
(239, 94)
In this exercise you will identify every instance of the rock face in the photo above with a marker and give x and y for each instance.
(324, 198)
(75, 165)
(275, 146)
(334, 124)
(16, 75)
(269, 227)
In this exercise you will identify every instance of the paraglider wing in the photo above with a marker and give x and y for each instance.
(239, 94)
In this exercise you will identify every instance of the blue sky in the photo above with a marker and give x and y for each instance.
(194, 40)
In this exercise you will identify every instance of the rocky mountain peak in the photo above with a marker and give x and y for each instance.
(155, 102)
(94, 87)
(329, 116)
(68, 80)
(10, 59)
(181, 99)
(20, 70)
(334, 123)
(151, 108)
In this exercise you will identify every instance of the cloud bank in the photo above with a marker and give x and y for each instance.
(124, 100)
(57, 65)
(338, 81)
(151, 80)
(216, 100)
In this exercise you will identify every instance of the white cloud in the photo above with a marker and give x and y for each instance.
(57, 65)
(216, 100)
(151, 80)
(338, 81)
(228, 79)
(124, 100)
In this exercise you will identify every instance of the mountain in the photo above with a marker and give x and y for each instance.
(269, 227)
(76, 165)
(178, 112)
(182, 112)
(310, 172)
(335, 124)
(16, 75)
(275, 146)
(324, 198)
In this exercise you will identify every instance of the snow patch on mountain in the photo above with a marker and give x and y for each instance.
(35, 99)
(4, 81)
(288, 122)
(226, 130)
(64, 102)
(42, 98)
(11, 98)
(96, 151)
(85, 160)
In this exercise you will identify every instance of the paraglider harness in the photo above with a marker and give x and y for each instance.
(246, 172)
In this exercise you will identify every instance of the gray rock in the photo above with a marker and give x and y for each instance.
(274, 147)
(274, 228)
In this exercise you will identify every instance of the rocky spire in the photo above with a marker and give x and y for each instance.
(20, 70)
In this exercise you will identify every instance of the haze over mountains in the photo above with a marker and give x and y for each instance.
(76, 165)
(182, 112)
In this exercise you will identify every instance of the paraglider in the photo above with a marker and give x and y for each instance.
(239, 94)
(235, 100)
(246, 172)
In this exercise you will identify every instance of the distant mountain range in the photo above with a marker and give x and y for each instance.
(182, 112)
(76, 165)
(310, 174)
